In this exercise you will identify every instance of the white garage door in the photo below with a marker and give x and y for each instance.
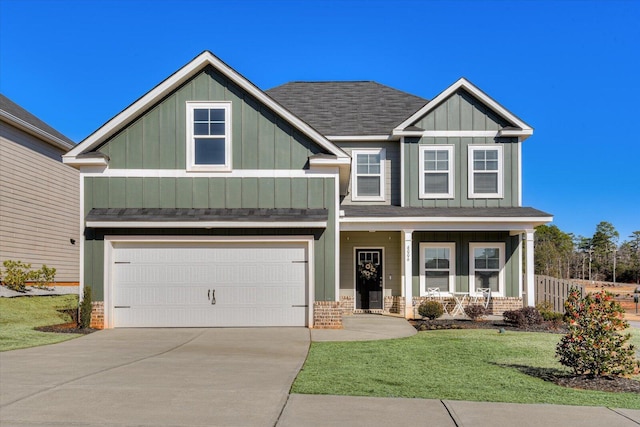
(224, 284)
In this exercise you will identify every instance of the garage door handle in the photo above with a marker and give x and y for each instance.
(303, 305)
(209, 294)
(213, 300)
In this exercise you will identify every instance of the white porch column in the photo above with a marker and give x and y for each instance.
(407, 272)
(530, 277)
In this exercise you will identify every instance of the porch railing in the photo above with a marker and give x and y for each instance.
(554, 290)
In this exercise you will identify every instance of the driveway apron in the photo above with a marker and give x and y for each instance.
(154, 377)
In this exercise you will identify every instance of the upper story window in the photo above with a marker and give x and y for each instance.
(208, 136)
(368, 175)
(436, 172)
(487, 265)
(485, 172)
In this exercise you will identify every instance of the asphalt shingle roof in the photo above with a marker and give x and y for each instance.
(195, 215)
(347, 108)
(370, 211)
(18, 112)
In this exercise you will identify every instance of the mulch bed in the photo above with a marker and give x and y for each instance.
(65, 328)
(556, 376)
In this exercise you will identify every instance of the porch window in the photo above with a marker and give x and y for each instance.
(487, 265)
(368, 175)
(485, 171)
(436, 172)
(208, 136)
(437, 261)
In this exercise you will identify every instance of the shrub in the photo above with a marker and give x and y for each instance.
(524, 317)
(43, 277)
(548, 315)
(431, 309)
(593, 345)
(475, 311)
(85, 308)
(16, 274)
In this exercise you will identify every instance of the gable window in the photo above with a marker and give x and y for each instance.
(208, 136)
(487, 265)
(436, 172)
(437, 267)
(368, 175)
(485, 171)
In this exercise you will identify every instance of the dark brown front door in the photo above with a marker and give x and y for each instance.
(368, 279)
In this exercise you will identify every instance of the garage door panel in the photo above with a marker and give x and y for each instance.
(173, 284)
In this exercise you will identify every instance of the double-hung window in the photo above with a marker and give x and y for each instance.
(436, 172)
(487, 265)
(437, 267)
(485, 171)
(208, 136)
(368, 175)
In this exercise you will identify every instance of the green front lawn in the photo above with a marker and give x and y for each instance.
(18, 317)
(476, 365)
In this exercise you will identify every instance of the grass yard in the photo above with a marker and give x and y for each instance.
(476, 365)
(18, 317)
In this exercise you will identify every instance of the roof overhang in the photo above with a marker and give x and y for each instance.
(320, 162)
(512, 225)
(174, 81)
(206, 218)
(519, 129)
(35, 131)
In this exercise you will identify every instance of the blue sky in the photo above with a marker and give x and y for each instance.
(568, 68)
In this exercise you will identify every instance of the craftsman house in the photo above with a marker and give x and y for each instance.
(209, 202)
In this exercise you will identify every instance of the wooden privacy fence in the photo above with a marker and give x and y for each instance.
(554, 290)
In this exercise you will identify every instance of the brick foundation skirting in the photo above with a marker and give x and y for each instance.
(394, 304)
(327, 315)
(348, 304)
(497, 305)
(97, 315)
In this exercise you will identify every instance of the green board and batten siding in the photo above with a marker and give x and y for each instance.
(462, 240)
(260, 140)
(101, 192)
(462, 112)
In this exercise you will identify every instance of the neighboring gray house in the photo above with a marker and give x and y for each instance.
(208, 202)
(39, 195)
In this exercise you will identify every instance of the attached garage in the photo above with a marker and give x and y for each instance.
(207, 283)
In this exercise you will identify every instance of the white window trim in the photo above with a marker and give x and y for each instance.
(190, 143)
(354, 175)
(452, 266)
(450, 171)
(500, 171)
(472, 266)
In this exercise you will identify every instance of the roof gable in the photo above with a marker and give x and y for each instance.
(184, 74)
(347, 108)
(508, 123)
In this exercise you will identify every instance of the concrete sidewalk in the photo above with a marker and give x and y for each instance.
(312, 411)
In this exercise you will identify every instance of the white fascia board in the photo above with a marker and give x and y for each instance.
(35, 131)
(74, 161)
(385, 225)
(449, 133)
(431, 220)
(475, 91)
(206, 224)
(178, 78)
(329, 162)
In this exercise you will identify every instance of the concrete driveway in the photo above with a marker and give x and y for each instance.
(154, 377)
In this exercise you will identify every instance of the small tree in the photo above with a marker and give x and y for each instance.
(16, 274)
(593, 346)
(85, 308)
(44, 277)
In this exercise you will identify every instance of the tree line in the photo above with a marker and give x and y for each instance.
(599, 257)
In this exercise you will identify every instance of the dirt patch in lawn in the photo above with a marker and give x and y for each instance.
(65, 328)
